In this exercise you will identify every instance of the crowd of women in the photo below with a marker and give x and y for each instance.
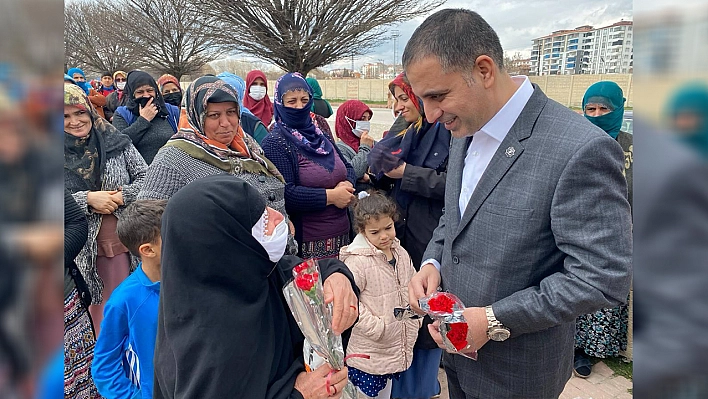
(148, 139)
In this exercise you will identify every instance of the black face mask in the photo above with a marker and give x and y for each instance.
(173, 98)
(142, 101)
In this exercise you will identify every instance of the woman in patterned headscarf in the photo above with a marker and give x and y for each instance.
(103, 171)
(210, 141)
(319, 181)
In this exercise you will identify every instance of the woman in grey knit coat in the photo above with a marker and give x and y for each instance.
(209, 142)
(103, 171)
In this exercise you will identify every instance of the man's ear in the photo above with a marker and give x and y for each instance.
(147, 251)
(487, 69)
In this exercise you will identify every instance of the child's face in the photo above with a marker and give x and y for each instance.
(380, 232)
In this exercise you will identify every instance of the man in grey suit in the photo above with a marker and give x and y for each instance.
(537, 227)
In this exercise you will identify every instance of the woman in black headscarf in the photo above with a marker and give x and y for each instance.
(224, 328)
(146, 118)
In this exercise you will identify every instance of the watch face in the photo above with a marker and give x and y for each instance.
(499, 334)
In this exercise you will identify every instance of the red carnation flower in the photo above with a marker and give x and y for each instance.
(301, 267)
(457, 335)
(441, 302)
(306, 281)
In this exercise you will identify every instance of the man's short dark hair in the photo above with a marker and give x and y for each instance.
(104, 74)
(456, 37)
(140, 224)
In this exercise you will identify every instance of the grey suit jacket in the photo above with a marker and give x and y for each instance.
(545, 237)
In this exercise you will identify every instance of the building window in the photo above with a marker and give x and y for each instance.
(575, 47)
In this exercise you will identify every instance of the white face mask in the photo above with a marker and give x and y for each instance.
(360, 127)
(275, 243)
(257, 92)
(120, 85)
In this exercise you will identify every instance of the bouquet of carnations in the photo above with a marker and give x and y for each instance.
(447, 309)
(305, 297)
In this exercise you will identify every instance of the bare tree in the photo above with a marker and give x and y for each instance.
(169, 34)
(300, 35)
(517, 64)
(90, 41)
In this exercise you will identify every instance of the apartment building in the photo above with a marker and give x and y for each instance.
(584, 50)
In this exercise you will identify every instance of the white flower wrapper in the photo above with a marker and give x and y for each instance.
(315, 318)
(448, 310)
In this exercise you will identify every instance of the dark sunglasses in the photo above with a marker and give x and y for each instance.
(120, 80)
(401, 313)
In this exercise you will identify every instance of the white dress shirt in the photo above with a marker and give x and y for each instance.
(486, 141)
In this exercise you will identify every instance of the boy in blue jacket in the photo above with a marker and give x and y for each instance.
(122, 365)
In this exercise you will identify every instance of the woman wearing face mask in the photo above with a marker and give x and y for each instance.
(604, 333)
(412, 164)
(319, 181)
(146, 118)
(222, 306)
(97, 99)
(688, 115)
(249, 122)
(170, 89)
(257, 100)
(116, 99)
(104, 172)
(352, 127)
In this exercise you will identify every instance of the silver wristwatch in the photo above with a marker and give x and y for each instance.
(495, 329)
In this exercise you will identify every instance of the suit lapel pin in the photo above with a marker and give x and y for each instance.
(510, 152)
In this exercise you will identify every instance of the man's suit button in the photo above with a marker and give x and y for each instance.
(455, 260)
(261, 179)
(271, 197)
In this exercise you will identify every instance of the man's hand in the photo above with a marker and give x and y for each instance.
(477, 328)
(423, 283)
(345, 304)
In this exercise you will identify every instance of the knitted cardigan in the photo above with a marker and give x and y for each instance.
(173, 169)
(126, 171)
(147, 137)
(298, 199)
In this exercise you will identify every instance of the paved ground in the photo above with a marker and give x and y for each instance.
(602, 384)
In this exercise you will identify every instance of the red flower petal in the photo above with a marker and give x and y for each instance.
(301, 267)
(441, 303)
(457, 335)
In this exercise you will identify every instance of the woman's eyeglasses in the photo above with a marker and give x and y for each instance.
(120, 80)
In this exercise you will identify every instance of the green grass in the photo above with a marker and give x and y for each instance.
(618, 365)
(339, 101)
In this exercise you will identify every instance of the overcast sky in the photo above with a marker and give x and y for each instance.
(517, 22)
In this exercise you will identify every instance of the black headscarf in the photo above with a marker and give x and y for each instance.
(85, 157)
(136, 79)
(224, 328)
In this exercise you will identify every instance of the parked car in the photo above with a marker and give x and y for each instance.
(627, 125)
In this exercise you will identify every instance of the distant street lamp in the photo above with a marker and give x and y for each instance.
(395, 34)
